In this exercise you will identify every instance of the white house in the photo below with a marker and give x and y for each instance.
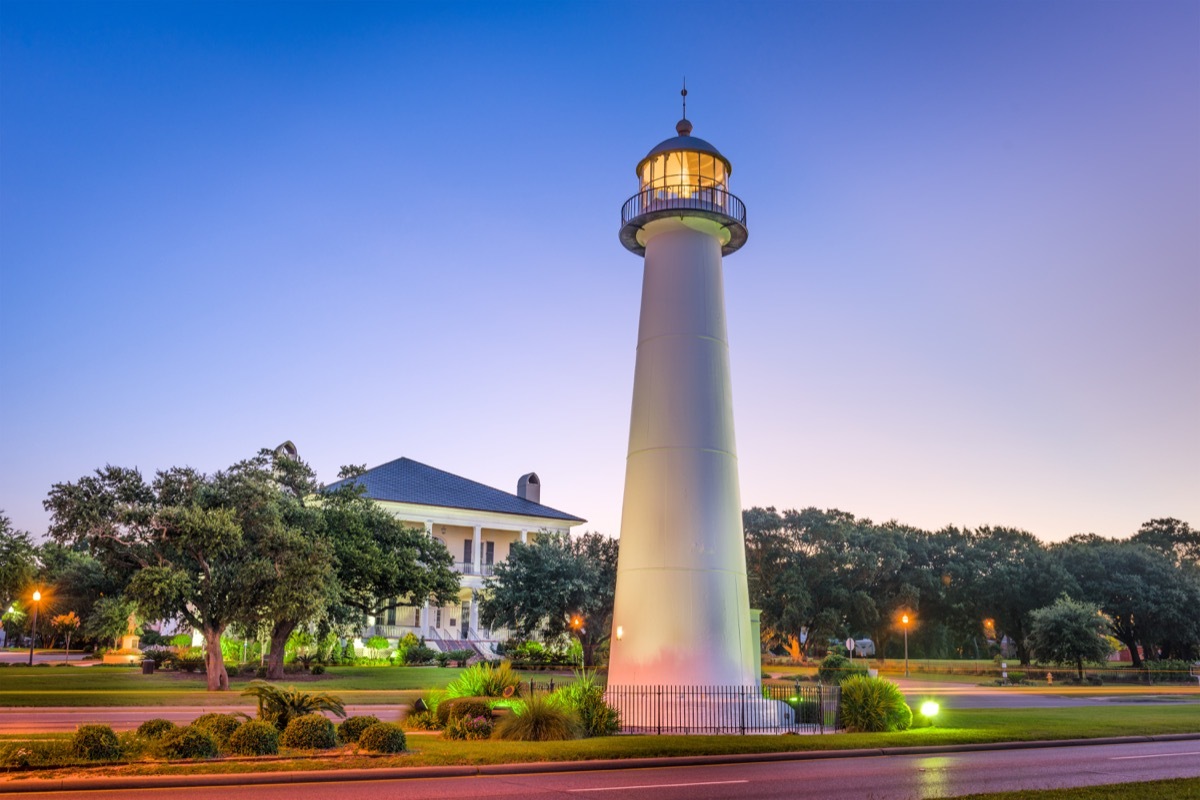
(477, 523)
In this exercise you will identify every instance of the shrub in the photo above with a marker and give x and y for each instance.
(221, 726)
(255, 738)
(454, 708)
(352, 727)
(469, 728)
(837, 668)
(419, 654)
(155, 728)
(280, 706)
(159, 655)
(95, 743)
(189, 742)
(586, 698)
(383, 737)
(421, 721)
(539, 719)
(309, 732)
(191, 660)
(871, 705)
(484, 680)
(318, 669)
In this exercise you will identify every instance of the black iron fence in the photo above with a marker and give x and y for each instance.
(726, 709)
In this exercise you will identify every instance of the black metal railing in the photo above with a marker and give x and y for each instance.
(690, 196)
(726, 709)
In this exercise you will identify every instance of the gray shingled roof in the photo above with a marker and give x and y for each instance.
(408, 481)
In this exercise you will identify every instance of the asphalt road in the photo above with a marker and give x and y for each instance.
(870, 778)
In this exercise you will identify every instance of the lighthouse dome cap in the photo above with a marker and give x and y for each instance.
(684, 141)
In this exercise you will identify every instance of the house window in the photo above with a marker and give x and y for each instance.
(437, 622)
(466, 615)
(489, 553)
(416, 617)
(391, 616)
(467, 552)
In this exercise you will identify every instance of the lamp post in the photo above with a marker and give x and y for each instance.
(37, 602)
(577, 626)
(904, 622)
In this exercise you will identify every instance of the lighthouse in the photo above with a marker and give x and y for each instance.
(682, 614)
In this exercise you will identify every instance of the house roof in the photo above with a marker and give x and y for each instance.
(408, 481)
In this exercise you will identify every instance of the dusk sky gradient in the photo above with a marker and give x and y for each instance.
(971, 293)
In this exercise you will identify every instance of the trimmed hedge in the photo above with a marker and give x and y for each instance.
(383, 737)
(255, 738)
(95, 743)
(310, 732)
(189, 742)
(352, 727)
(156, 728)
(221, 726)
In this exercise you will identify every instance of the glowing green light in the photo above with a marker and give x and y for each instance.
(929, 709)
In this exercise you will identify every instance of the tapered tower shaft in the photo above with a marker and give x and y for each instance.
(682, 606)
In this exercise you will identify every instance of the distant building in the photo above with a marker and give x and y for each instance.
(477, 523)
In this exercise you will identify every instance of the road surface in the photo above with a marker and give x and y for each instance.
(870, 778)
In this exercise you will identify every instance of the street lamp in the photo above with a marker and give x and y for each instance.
(904, 622)
(37, 602)
(577, 626)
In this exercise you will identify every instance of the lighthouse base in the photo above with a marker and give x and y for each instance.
(705, 710)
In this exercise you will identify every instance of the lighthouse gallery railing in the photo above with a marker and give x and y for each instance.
(689, 196)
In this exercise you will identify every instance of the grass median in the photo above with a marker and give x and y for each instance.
(40, 687)
(969, 726)
(1176, 789)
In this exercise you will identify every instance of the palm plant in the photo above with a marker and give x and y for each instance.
(279, 706)
(484, 680)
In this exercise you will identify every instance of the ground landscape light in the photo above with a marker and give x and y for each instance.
(929, 710)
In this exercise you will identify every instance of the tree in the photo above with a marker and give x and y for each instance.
(1068, 632)
(18, 562)
(109, 620)
(1017, 576)
(551, 582)
(65, 625)
(189, 548)
(1174, 538)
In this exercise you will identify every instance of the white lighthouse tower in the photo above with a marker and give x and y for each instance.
(682, 613)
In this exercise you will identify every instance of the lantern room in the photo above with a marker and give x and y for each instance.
(687, 179)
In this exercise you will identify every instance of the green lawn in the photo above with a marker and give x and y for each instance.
(1177, 789)
(123, 686)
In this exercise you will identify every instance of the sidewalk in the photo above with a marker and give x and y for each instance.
(32, 784)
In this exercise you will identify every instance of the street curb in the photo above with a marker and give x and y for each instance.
(538, 767)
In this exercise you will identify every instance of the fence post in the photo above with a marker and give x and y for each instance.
(742, 693)
(658, 711)
(821, 707)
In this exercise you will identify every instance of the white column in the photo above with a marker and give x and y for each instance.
(524, 535)
(425, 619)
(476, 552)
(474, 612)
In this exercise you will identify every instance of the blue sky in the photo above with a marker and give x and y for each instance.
(970, 294)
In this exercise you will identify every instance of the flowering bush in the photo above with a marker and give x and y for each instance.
(468, 728)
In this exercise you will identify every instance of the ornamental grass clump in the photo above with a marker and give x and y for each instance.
(585, 697)
(310, 732)
(189, 742)
(873, 705)
(484, 680)
(383, 737)
(221, 726)
(155, 728)
(539, 719)
(95, 743)
(255, 738)
(352, 727)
